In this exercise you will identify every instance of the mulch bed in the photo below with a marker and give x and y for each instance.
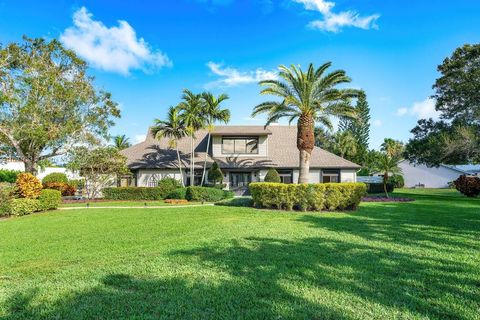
(385, 199)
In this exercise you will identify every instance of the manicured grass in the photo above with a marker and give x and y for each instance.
(417, 260)
(123, 204)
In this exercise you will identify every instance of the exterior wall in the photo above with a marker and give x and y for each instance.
(217, 147)
(348, 176)
(20, 166)
(313, 176)
(430, 177)
(143, 176)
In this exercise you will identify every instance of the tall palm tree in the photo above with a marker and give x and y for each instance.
(214, 113)
(121, 142)
(345, 143)
(392, 147)
(174, 129)
(310, 97)
(387, 164)
(193, 116)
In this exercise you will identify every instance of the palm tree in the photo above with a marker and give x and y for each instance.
(173, 129)
(214, 113)
(192, 114)
(392, 147)
(345, 143)
(310, 97)
(387, 164)
(121, 142)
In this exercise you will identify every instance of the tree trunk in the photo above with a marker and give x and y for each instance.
(180, 167)
(205, 161)
(31, 167)
(305, 144)
(192, 162)
(385, 179)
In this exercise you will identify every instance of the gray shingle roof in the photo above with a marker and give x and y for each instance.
(282, 152)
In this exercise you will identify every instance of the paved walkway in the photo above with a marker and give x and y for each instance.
(138, 207)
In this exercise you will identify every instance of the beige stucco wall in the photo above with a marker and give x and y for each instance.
(144, 175)
(348, 176)
(217, 147)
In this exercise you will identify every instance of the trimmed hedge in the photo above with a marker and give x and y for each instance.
(378, 187)
(196, 193)
(55, 177)
(8, 175)
(272, 176)
(24, 206)
(134, 193)
(319, 196)
(50, 199)
(179, 193)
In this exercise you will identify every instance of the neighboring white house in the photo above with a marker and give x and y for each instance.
(244, 154)
(20, 166)
(434, 177)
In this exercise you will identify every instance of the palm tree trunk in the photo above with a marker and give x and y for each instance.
(180, 167)
(305, 144)
(205, 162)
(385, 179)
(192, 162)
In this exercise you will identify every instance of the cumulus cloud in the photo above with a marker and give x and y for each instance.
(115, 49)
(422, 110)
(335, 22)
(230, 77)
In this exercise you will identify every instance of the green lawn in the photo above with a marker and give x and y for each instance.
(418, 260)
(124, 204)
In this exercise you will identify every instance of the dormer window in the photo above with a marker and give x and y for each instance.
(240, 145)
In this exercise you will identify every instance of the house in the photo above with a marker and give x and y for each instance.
(16, 165)
(434, 177)
(244, 154)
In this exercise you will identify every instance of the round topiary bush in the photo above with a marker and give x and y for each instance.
(272, 176)
(55, 177)
(28, 186)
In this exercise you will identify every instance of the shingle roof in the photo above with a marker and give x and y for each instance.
(241, 130)
(282, 152)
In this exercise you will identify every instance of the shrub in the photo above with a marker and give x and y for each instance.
(397, 181)
(236, 202)
(8, 175)
(24, 206)
(55, 177)
(469, 186)
(196, 193)
(28, 186)
(64, 188)
(167, 185)
(215, 175)
(49, 199)
(6, 194)
(134, 193)
(228, 194)
(179, 193)
(319, 196)
(272, 176)
(378, 187)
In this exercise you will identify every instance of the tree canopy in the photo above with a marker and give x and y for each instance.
(48, 102)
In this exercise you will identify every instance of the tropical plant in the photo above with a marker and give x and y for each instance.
(174, 129)
(121, 142)
(310, 97)
(387, 165)
(392, 148)
(215, 175)
(345, 144)
(214, 113)
(47, 87)
(192, 114)
(28, 186)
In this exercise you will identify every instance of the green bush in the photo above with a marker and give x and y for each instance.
(469, 186)
(319, 196)
(24, 206)
(196, 193)
(227, 194)
(236, 202)
(50, 199)
(134, 193)
(272, 176)
(378, 187)
(8, 175)
(55, 177)
(179, 193)
(215, 175)
(397, 181)
(6, 194)
(167, 185)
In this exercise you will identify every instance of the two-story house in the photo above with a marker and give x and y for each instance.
(244, 154)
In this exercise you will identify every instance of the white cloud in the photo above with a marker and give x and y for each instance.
(422, 110)
(334, 22)
(115, 49)
(377, 123)
(230, 77)
(140, 138)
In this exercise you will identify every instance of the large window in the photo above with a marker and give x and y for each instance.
(241, 145)
(330, 176)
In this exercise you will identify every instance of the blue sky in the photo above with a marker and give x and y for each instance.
(145, 53)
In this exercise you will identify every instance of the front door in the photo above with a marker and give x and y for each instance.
(240, 179)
